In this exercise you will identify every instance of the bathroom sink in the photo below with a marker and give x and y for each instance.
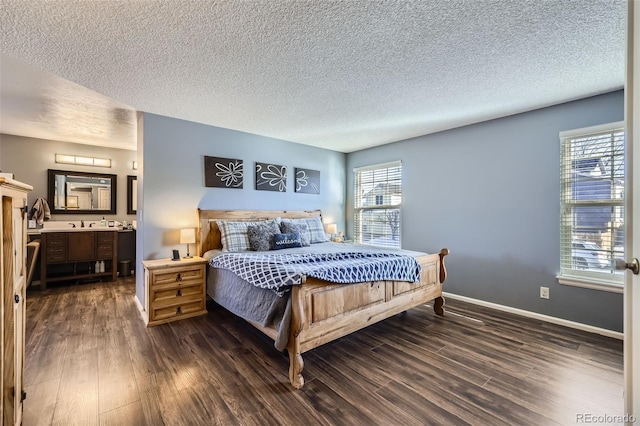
(70, 229)
(68, 226)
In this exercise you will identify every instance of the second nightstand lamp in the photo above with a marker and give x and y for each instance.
(188, 236)
(331, 228)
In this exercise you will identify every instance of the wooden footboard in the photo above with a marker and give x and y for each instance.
(321, 311)
(324, 312)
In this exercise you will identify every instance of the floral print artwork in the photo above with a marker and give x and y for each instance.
(271, 177)
(223, 172)
(307, 181)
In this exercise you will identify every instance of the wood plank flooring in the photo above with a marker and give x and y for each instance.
(90, 360)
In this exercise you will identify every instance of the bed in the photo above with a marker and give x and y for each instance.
(316, 311)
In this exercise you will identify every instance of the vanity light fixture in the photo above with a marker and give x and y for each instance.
(188, 236)
(83, 161)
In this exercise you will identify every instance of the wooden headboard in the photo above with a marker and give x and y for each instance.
(208, 236)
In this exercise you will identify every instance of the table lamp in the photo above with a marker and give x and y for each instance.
(332, 228)
(187, 236)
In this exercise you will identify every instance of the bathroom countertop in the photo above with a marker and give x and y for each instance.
(66, 227)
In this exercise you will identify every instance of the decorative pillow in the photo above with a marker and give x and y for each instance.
(315, 228)
(261, 235)
(300, 228)
(233, 235)
(281, 241)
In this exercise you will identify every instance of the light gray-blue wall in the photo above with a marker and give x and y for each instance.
(490, 193)
(30, 158)
(172, 180)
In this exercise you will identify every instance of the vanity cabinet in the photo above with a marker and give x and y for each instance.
(13, 276)
(69, 255)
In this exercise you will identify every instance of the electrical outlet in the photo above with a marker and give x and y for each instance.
(544, 292)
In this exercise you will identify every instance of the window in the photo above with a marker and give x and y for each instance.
(592, 204)
(378, 196)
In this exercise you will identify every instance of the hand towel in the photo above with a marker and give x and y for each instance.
(40, 211)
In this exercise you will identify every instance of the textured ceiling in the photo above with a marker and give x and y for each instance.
(343, 75)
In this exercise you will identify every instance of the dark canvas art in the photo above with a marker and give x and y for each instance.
(223, 172)
(307, 181)
(271, 177)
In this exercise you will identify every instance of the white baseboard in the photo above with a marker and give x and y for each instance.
(145, 315)
(541, 317)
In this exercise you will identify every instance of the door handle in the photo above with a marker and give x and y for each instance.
(634, 265)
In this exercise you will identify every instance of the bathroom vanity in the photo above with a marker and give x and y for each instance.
(72, 254)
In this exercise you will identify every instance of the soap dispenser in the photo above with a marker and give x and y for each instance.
(103, 222)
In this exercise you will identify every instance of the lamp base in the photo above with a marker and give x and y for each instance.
(188, 256)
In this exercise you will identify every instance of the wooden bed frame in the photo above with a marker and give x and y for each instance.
(323, 311)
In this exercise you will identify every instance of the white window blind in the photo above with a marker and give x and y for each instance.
(592, 203)
(378, 197)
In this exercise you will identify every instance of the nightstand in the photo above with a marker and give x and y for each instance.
(174, 289)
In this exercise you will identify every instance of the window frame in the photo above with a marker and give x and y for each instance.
(359, 209)
(611, 281)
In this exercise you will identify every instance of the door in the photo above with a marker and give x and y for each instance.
(9, 335)
(104, 201)
(14, 278)
(19, 294)
(632, 210)
(81, 246)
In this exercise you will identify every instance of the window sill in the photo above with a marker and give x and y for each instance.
(591, 283)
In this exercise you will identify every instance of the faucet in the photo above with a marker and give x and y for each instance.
(73, 225)
(82, 224)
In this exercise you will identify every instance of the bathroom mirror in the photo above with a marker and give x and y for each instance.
(81, 192)
(132, 194)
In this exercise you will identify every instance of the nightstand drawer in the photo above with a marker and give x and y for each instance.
(177, 275)
(176, 295)
(178, 310)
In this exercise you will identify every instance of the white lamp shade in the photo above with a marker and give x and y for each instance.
(332, 228)
(187, 236)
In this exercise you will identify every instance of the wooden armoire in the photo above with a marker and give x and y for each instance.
(13, 272)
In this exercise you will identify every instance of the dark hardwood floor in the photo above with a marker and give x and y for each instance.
(90, 360)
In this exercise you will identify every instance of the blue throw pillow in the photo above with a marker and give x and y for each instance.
(281, 241)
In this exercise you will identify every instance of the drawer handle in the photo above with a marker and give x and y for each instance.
(179, 293)
(178, 277)
(178, 310)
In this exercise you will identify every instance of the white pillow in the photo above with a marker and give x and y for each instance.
(210, 254)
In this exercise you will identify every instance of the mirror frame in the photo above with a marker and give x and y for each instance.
(52, 189)
(131, 180)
